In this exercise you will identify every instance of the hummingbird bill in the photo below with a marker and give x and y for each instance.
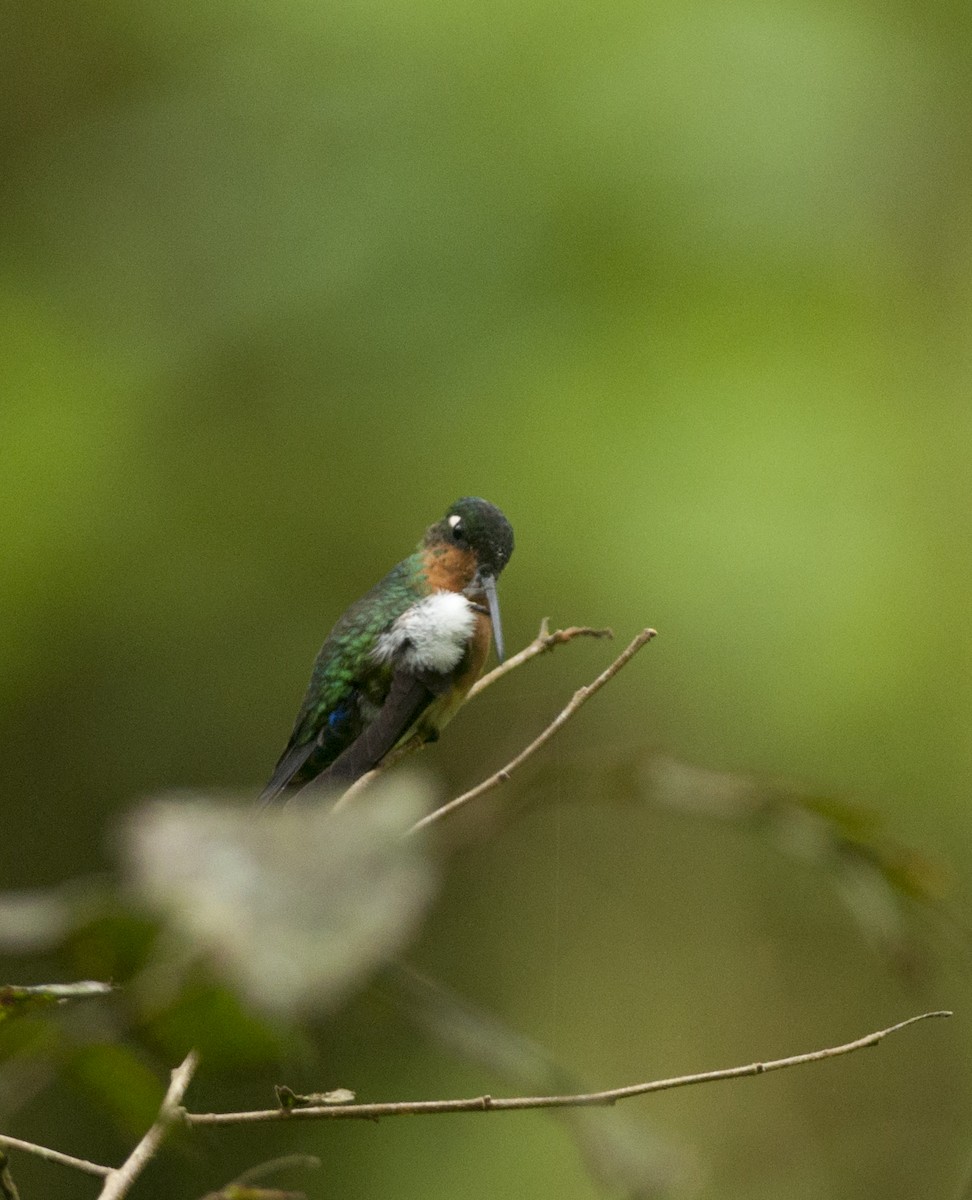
(399, 662)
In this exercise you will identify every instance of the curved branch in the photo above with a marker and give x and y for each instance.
(372, 1112)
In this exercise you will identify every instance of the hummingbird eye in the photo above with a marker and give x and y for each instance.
(457, 529)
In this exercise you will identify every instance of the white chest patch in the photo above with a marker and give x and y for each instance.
(432, 635)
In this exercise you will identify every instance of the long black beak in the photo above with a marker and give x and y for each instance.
(489, 587)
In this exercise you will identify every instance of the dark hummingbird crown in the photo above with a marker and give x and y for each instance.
(475, 524)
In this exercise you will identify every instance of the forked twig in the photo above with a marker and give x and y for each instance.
(580, 697)
(543, 643)
(118, 1182)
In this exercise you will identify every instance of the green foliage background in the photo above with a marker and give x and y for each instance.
(685, 289)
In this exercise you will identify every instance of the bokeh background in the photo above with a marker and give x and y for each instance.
(684, 288)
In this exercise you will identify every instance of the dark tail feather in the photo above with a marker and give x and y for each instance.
(291, 761)
(407, 698)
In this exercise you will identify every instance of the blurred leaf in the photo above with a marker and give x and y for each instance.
(685, 786)
(33, 920)
(31, 1052)
(8, 1189)
(120, 1082)
(295, 906)
(620, 1152)
(473, 1034)
(625, 1156)
(852, 819)
(873, 874)
(236, 1191)
(908, 871)
(243, 1187)
(33, 1036)
(211, 1017)
(115, 944)
(17, 1001)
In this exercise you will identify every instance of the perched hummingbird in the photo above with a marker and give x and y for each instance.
(400, 661)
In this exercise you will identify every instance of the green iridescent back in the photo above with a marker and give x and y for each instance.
(344, 663)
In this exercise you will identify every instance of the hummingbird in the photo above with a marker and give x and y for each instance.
(398, 664)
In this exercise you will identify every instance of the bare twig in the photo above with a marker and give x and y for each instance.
(55, 1156)
(577, 700)
(543, 643)
(8, 1189)
(372, 1112)
(119, 1181)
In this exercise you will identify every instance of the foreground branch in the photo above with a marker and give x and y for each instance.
(579, 698)
(372, 1112)
(119, 1181)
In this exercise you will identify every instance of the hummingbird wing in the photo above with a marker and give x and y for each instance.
(345, 680)
(417, 656)
(408, 697)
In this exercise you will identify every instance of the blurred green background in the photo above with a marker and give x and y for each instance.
(684, 288)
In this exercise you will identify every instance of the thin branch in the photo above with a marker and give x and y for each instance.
(543, 643)
(372, 1112)
(119, 1181)
(55, 1156)
(579, 698)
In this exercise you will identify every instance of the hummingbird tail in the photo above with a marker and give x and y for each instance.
(291, 761)
(407, 699)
